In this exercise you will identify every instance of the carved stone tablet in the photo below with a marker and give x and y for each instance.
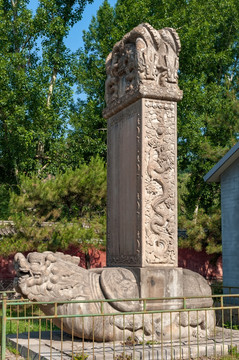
(141, 94)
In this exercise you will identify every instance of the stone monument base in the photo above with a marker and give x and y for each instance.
(169, 282)
(160, 283)
(55, 278)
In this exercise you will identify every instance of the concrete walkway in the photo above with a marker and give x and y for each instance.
(54, 349)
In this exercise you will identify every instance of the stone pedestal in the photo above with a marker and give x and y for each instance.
(141, 97)
(161, 283)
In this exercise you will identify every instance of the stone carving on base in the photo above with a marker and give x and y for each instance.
(57, 277)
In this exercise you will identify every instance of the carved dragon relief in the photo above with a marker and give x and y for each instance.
(143, 63)
(160, 175)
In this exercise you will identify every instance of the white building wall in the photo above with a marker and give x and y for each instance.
(230, 224)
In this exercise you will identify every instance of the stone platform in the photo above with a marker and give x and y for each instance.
(54, 349)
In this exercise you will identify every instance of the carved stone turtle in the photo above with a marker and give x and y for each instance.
(55, 277)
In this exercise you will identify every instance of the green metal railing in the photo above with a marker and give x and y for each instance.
(22, 319)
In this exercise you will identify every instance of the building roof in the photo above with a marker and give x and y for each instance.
(215, 173)
(6, 228)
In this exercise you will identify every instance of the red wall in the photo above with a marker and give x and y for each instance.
(6, 268)
(207, 265)
(97, 259)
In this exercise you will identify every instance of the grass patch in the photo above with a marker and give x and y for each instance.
(80, 356)
(29, 325)
(13, 350)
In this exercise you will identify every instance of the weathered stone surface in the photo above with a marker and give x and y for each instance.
(57, 277)
(160, 183)
(143, 64)
(142, 185)
(162, 283)
(124, 202)
(141, 93)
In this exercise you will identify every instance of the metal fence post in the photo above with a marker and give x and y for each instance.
(3, 326)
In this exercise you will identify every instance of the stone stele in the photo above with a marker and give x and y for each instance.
(141, 107)
(141, 93)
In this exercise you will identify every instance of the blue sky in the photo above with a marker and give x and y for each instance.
(74, 40)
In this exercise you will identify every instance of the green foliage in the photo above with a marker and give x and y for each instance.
(52, 213)
(217, 288)
(36, 101)
(233, 351)
(203, 231)
(4, 201)
(89, 128)
(203, 228)
(36, 105)
(80, 356)
(13, 350)
(36, 85)
(228, 325)
(152, 342)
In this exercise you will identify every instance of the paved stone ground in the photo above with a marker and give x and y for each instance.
(54, 349)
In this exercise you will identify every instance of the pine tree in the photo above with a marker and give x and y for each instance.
(55, 212)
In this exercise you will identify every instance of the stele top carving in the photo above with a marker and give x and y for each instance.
(143, 64)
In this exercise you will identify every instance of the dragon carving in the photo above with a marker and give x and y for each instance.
(154, 171)
(159, 183)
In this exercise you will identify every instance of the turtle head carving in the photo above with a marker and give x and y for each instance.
(57, 277)
(32, 271)
(49, 276)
